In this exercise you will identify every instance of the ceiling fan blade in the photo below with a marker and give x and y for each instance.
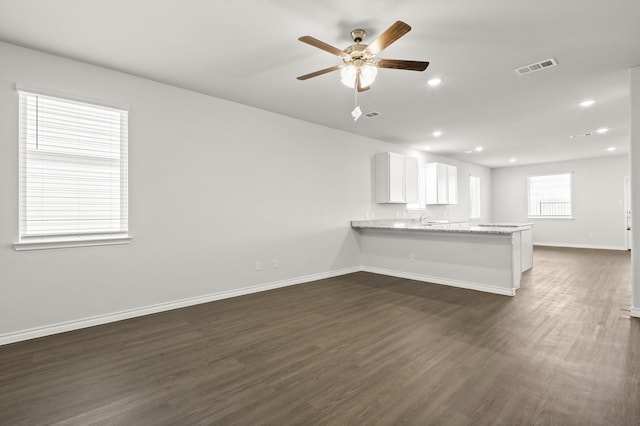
(403, 65)
(317, 73)
(393, 33)
(324, 46)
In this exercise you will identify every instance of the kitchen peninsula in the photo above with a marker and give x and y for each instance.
(484, 257)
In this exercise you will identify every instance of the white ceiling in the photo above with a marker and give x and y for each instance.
(248, 52)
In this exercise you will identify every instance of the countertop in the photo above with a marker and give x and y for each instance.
(452, 227)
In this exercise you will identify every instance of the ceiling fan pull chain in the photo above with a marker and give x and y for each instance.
(355, 94)
(357, 112)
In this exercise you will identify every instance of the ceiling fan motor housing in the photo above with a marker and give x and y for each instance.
(358, 34)
(356, 51)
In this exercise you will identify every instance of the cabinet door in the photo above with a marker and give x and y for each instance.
(432, 183)
(396, 178)
(389, 177)
(442, 176)
(452, 185)
(526, 250)
(411, 180)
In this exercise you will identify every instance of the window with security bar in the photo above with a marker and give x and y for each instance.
(73, 170)
(550, 196)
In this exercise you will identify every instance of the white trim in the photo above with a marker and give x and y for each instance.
(635, 312)
(627, 211)
(48, 330)
(442, 281)
(47, 243)
(551, 217)
(68, 96)
(584, 246)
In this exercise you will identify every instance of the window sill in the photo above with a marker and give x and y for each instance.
(551, 217)
(64, 242)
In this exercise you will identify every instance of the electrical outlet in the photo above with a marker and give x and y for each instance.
(373, 215)
(258, 266)
(366, 215)
(397, 215)
(412, 257)
(274, 263)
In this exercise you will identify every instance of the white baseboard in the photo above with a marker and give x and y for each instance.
(583, 246)
(635, 312)
(161, 307)
(443, 281)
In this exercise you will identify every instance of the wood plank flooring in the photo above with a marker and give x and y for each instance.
(357, 349)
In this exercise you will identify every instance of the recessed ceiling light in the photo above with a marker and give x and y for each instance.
(478, 149)
(602, 130)
(611, 148)
(512, 160)
(587, 103)
(434, 82)
(437, 133)
(470, 151)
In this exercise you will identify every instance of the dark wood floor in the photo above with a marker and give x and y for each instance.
(358, 349)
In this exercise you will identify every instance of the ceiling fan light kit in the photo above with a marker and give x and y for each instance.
(366, 72)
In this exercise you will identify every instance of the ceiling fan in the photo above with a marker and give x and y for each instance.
(360, 63)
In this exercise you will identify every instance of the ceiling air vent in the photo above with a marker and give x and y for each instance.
(581, 135)
(547, 63)
(372, 114)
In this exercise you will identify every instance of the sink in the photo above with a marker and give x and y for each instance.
(433, 222)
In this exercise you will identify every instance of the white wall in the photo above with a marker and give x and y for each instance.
(214, 187)
(598, 202)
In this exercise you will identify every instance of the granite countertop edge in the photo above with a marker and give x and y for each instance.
(454, 227)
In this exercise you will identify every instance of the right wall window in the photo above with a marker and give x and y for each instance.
(550, 196)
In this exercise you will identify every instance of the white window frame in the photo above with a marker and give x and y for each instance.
(34, 238)
(550, 216)
(475, 204)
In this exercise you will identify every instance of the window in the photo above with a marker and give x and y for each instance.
(550, 195)
(474, 194)
(73, 173)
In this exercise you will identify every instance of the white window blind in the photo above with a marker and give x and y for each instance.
(73, 169)
(474, 193)
(550, 195)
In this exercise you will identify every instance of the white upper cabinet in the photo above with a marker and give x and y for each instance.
(396, 178)
(411, 179)
(442, 184)
(389, 177)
